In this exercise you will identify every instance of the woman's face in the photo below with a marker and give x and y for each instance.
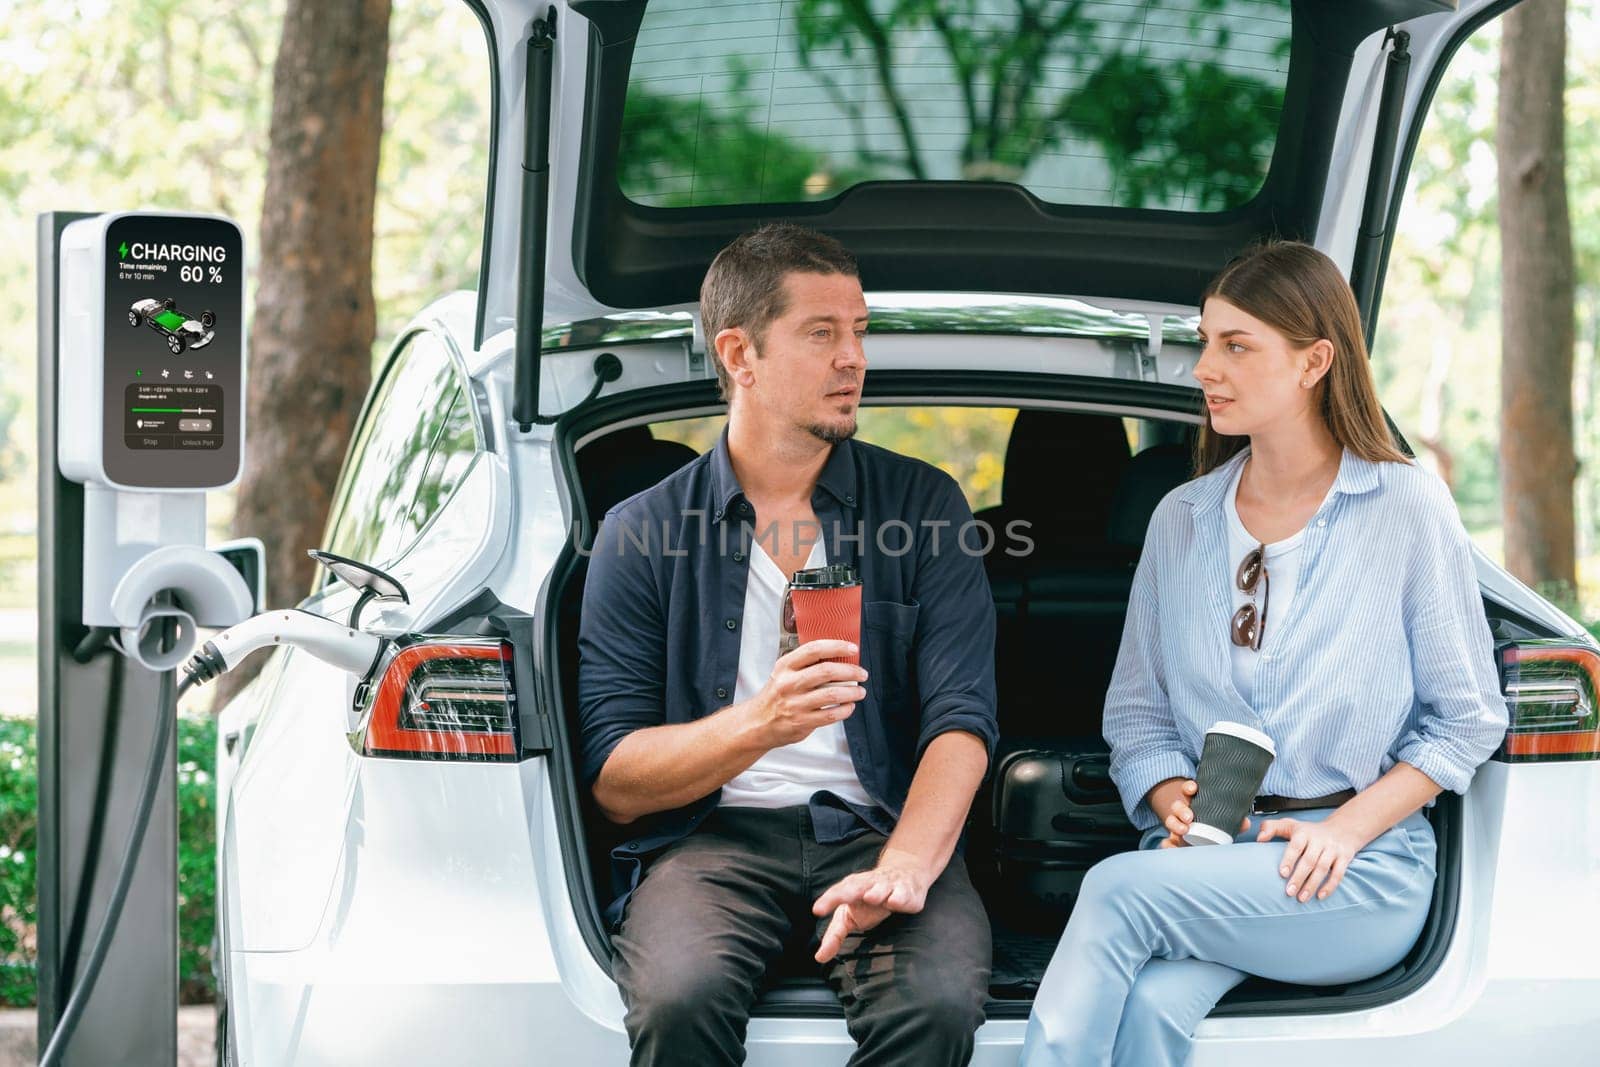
(1253, 378)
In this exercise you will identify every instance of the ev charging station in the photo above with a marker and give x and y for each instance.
(141, 407)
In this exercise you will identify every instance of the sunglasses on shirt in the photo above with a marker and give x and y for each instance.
(1248, 625)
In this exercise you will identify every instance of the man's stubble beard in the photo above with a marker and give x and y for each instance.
(831, 435)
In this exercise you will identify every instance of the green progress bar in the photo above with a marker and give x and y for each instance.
(175, 411)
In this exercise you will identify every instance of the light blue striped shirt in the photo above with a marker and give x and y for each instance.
(1384, 655)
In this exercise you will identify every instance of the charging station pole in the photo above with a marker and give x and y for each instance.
(94, 733)
(141, 413)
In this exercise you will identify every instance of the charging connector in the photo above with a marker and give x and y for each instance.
(343, 647)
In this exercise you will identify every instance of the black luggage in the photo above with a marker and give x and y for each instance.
(1056, 814)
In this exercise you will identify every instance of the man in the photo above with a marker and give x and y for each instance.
(769, 800)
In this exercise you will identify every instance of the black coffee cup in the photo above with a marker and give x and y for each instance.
(1233, 764)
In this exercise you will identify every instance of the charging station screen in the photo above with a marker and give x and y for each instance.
(173, 351)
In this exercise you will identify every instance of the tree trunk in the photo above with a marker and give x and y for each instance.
(1537, 332)
(311, 342)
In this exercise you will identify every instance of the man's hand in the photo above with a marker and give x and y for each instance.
(862, 900)
(1317, 854)
(1170, 802)
(806, 691)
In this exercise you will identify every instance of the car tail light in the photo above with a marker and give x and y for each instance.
(1551, 689)
(446, 699)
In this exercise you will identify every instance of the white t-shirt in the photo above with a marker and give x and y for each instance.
(1283, 578)
(791, 774)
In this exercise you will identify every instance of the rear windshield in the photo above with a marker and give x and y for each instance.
(1137, 104)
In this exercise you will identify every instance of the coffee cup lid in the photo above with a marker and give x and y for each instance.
(833, 576)
(1245, 733)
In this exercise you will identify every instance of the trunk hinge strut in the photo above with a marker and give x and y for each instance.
(1371, 241)
(535, 220)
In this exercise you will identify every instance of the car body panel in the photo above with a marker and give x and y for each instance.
(299, 772)
(460, 938)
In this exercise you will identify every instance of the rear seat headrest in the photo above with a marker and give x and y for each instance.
(1149, 476)
(1063, 467)
(614, 467)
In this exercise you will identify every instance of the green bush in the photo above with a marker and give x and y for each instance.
(197, 856)
(19, 790)
(19, 802)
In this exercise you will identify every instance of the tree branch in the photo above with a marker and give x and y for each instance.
(966, 71)
(852, 110)
(877, 36)
(247, 38)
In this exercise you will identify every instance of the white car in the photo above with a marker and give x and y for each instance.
(408, 872)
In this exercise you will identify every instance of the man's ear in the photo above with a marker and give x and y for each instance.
(737, 351)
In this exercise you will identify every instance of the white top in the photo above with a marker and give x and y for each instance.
(791, 774)
(1283, 578)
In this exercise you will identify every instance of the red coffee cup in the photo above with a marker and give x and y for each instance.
(823, 603)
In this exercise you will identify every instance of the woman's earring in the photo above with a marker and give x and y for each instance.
(1304, 384)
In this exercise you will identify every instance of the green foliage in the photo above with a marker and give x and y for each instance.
(197, 857)
(1201, 133)
(753, 166)
(967, 443)
(19, 801)
(433, 161)
(19, 774)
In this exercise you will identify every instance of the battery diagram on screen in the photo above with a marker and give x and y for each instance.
(182, 331)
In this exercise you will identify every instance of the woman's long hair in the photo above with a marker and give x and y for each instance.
(1299, 292)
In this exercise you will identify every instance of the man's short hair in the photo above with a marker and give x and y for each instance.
(744, 286)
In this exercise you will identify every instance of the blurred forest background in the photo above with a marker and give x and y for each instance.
(156, 103)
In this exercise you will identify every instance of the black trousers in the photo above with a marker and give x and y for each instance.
(717, 908)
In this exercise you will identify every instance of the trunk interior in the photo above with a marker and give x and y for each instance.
(1048, 811)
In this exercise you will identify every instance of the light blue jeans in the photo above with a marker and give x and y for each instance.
(1159, 935)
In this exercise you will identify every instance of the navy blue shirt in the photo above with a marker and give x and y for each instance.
(664, 600)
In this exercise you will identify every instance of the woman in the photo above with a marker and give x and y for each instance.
(1312, 583)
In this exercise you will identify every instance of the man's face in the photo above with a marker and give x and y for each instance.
(805, 371)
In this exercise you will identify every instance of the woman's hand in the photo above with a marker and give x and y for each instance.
(1317, 854)
(1170, 801)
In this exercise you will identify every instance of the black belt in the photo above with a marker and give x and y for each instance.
(1271, 805)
